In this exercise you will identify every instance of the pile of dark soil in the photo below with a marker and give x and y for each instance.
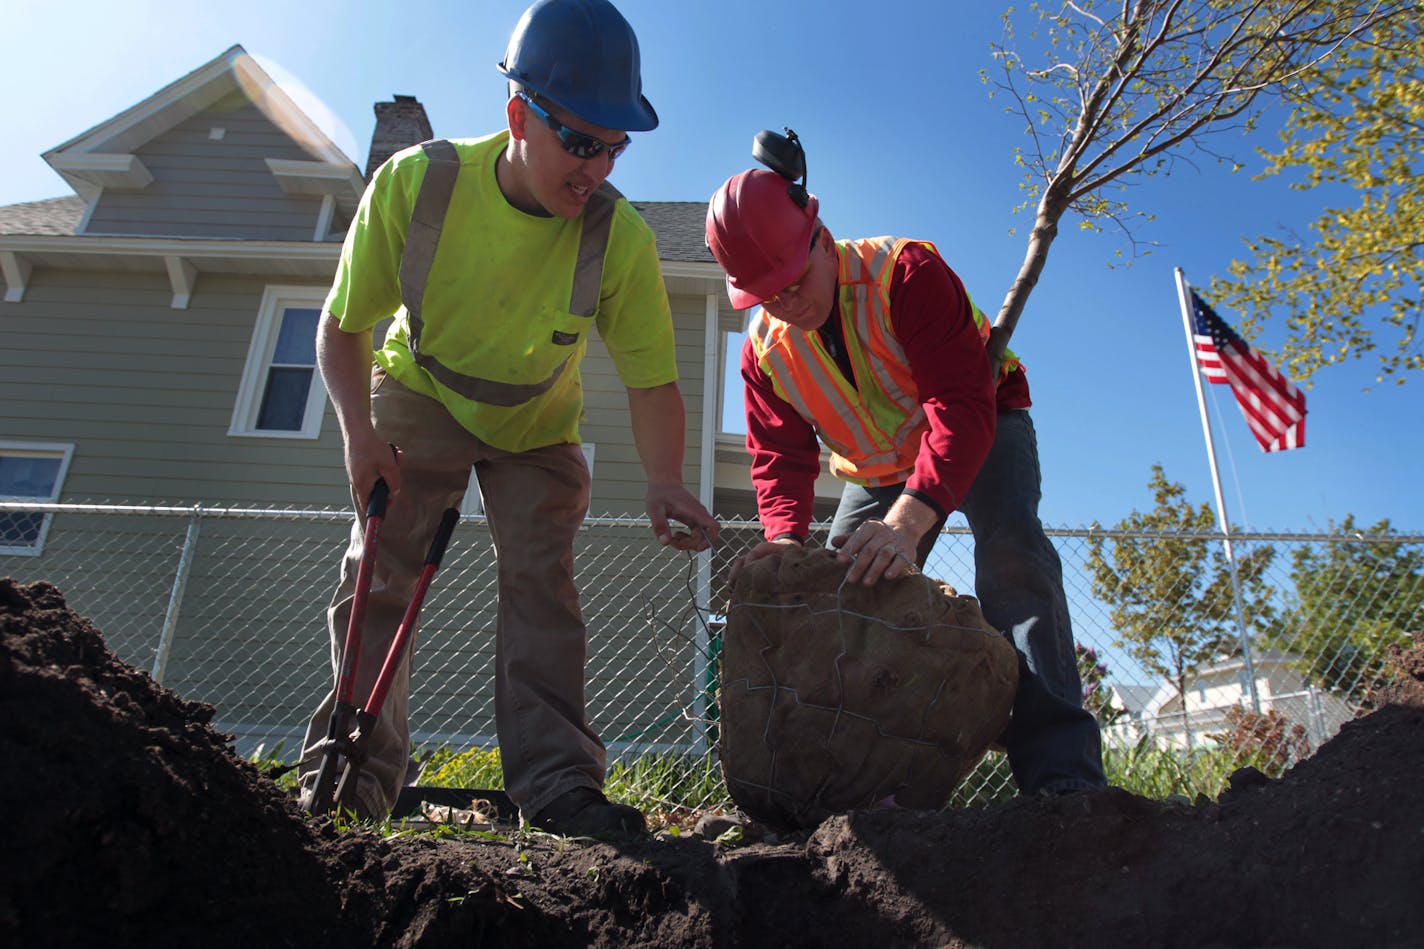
(133, 824)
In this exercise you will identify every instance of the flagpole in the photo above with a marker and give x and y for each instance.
(1185, 300)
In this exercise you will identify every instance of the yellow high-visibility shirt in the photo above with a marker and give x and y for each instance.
(496, 305)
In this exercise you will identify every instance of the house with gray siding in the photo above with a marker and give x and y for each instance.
(159, 325)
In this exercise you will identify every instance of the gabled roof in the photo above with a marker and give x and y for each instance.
(104, 155)
(53, 232)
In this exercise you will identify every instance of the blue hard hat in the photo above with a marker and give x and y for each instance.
(581, 55)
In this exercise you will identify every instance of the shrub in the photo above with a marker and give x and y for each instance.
(476, 768)
(1269, 740)
(1094, 675)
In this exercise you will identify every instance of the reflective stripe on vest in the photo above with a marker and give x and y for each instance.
(874, 433)
(428, 218)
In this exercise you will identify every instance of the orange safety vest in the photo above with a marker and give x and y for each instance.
(874, 433)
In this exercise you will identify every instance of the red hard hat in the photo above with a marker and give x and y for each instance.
(759, 234)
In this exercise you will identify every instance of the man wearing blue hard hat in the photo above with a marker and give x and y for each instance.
(498, 257)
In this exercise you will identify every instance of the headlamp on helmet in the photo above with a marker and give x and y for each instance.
(759, 223)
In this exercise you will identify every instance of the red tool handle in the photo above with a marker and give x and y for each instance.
(407, 626)
(338, 728)
(351, 650)
(355, 748)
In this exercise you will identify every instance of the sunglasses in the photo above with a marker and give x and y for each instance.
(577, 144)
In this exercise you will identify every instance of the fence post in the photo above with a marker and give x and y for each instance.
(1317, 717)
(175, 599)
(1240, 618)
(706, 481)
(704, 652)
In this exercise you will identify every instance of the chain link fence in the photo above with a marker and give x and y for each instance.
(226, 605)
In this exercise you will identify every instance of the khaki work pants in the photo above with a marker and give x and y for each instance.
(535, 502)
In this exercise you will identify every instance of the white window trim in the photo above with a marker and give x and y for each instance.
(259, 358)
(473, 503)
(66, 452)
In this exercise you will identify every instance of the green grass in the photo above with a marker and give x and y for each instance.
(670, 788)
(1159, 773)
(674, 790)
(671, 785)
(275, 765)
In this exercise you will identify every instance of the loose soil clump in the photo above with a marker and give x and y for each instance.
(132, 823)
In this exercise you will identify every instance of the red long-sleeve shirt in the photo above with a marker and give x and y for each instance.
(931, 317)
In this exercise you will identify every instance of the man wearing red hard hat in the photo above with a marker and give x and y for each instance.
(874, 347)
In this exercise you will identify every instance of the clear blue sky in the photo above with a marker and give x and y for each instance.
(902, 138)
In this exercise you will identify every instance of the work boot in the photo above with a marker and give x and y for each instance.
(585, 812)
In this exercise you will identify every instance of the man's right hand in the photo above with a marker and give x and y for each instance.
(369, 458)
(767, 548)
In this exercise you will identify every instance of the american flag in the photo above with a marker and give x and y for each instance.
(1273, 406)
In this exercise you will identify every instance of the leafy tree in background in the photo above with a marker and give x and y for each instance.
(1354, 598)
(1354, 286)
(1112, 90)
(1168, 584)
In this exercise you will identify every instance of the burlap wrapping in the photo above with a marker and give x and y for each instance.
(836, 696)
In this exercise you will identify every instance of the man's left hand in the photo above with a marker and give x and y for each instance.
(876, 551)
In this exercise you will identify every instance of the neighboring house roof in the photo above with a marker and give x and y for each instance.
(678, 225)
(1135, 698)
(1263, 664)
(680, 229)
(50, 217)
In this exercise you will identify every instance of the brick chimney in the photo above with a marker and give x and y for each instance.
(399, 124)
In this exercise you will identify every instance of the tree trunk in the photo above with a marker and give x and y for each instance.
(1045, 229)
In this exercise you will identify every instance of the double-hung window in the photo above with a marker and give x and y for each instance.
(281, 394)
(29, 471)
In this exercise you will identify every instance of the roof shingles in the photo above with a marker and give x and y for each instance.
(53, 216)
(680, 229)
(677, 224)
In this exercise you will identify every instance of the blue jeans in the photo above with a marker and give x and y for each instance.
(1052, 742)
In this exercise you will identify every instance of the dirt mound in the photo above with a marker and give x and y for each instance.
(133, 824)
